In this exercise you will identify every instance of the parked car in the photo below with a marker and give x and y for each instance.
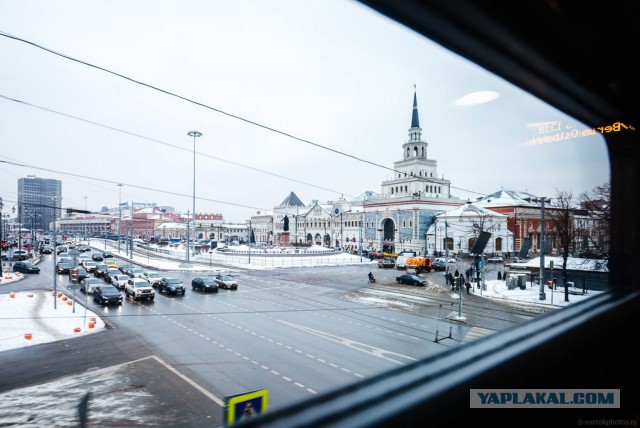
(100, 270)
(138, 289)
(97, 257)
(88, 285)
(77, 274)
(63, 267)
(386, 264)
(25, 267)
(152, 278)
(495, 260)
(106, 295)
(204, 284)
(120, 280)
(171, 285)
(226, 282)
(410, 280)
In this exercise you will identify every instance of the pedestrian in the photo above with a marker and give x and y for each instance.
(499, 276)
(456, 274)
(468, 285)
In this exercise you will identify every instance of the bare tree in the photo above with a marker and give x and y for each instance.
(597, 203)
(562, 217)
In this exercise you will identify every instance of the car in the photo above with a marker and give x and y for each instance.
(138, 288)
(495, 260)
(106, 295)
(171, 285)
(119, 280)
(226, 282)
(77, 274)
(100, 270)
(97, 257)
(111, 263)
(204, 284)
(62, 249)
(107, 255)
(386, 264)
(46, 249)
(89, 265)
(110, 273)
(152, 278)
(125, 267)
(410, 280)
(66, 259)
(19, 255)
(87, 285)
(375, 255)
(63, 267)
(25, 267)
(135, 272)
(438, 265)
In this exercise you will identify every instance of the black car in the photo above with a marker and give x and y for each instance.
(63, 267)
(106, 295)
(107, 255)
(171, 285)
(77, 274)
(410, 280)
(438, 265)
(124, 268)
(25, 267)
(101, 270)
(97, 257)
(204, 284)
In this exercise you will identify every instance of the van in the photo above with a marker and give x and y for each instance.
(403, 257)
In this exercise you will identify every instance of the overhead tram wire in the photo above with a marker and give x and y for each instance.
(112, 128)
(217, 110)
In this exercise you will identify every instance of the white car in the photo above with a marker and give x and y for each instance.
(138, 289)
(136, 272)
(120, 280)
(87, 285)
(152, 278)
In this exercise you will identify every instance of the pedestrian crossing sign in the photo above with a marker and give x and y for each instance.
(245, 406)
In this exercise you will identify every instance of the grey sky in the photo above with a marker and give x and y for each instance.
(332, 72)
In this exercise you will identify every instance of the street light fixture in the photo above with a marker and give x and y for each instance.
(194, 134)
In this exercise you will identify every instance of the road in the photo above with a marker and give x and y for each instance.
(296, 332)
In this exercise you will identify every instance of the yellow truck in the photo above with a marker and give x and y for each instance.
(419, 263)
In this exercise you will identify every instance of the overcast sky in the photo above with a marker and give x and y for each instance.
(332, 72)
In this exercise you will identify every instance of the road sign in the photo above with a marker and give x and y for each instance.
(245, 406)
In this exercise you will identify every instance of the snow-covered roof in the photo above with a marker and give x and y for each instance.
(503, 198)
(469, 210)
(172, 225)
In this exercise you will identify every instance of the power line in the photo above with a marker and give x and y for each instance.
(189, 100)
(112, 128)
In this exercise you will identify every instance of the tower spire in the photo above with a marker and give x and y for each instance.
(415, 122)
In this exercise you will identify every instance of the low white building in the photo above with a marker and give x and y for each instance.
(457, 231)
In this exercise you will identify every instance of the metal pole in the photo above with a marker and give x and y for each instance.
(194, 134)
(55, 253)
(119, 214)
(542, 293)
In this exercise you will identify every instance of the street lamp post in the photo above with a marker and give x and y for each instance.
(542, 200)
(194, 134)
(119, 214)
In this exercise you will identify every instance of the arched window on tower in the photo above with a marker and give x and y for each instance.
(422, 152)
(408, 152)
(415, 151)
